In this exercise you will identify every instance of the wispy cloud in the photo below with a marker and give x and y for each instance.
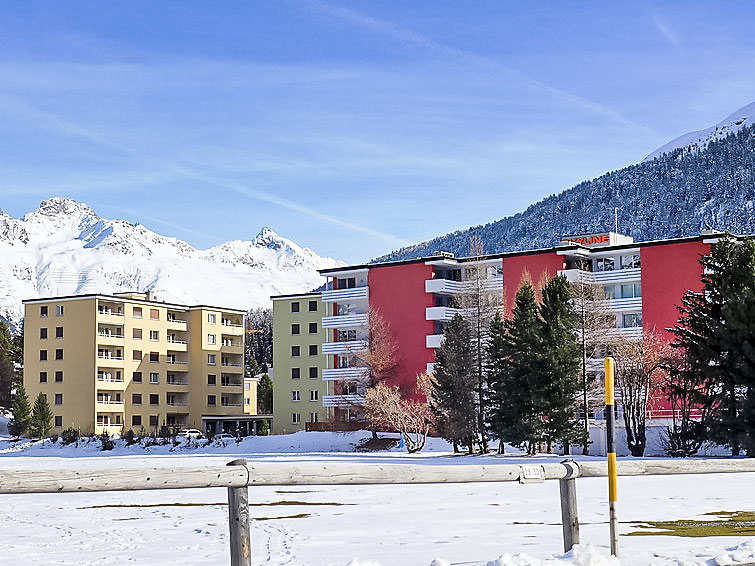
(665, 30)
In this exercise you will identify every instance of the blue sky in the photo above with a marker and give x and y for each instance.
(352, 128)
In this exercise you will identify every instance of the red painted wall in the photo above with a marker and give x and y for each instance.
(398, 293)
(537, 269)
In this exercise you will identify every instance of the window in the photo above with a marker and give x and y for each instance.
(154, 399)
(58, 353)
(154, 357)
(632, 320)
(295, 396)
(58, 332)
(604, 264)
(43, 377)
(629, 261)
(312, 306)
(43, 333)
(295, 306)
(313, 349)
(295, 418)
(294, 329)
(349, 335)
(137, 333)
(347, 283)
(154, 377)
(314, 395)
(247, 401)
(58, 398)
(154, 314)
(247, 386)
(295, 351)
(58, 377)
(211, 359)
(313, 373)
(212, 379)
(154, 335)
(211, 400)
(153, 420)
(43, 312)
(211, 317)
(59, 310)
(137, 312)
(629, 290)
(43, 355)
(58, 421)
(313, 328)
(609, 291)
(136, 398)
(136, 377)
(348, 308)
(295, 373)
(211, 339)
(136, 420)
(313, 417)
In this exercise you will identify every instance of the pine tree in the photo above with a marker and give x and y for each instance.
(559, 365)
(41, 417)
(265, 395)
(7, 371)
(453, 395)
(21, 409)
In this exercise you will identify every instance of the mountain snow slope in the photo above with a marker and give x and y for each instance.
(695, 141)
(64, 248)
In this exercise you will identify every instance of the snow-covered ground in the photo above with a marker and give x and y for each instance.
(471, 524)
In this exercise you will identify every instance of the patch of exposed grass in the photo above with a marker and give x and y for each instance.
(297, 516)
(189, 504)
(731, 523)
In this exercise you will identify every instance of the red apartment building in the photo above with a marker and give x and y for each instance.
(645, 281)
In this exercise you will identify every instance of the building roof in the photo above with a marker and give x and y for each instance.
(296, 295)
(124, 298)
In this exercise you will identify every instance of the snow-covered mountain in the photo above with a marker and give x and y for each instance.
(64, 248)
(695, 141)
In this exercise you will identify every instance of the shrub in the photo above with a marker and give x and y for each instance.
(264, 429)
(129, 437)
(70, 435)
(106, 442)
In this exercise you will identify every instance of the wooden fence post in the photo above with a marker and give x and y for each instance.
(238, 522)
(569, 514)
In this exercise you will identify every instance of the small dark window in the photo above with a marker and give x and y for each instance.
(42, 333)
(59, 353)
(43, 377)
(43, 355)
(137, 356)
(294, 329)
(212, 379)
(154, 314)
(211, 400)
(154, 357)
(58, 421)
(312, 306)
(313, 349)
(136, 420)
(136, 398)
(58, 332)
(58, 398)
(153, 420)
(295, 373)
(136, 377)
(154, 399)
(137, 333)
(295, 306)
(58, 376)
(313, 372)
(43, 311)
(313, 328)
(295, 351)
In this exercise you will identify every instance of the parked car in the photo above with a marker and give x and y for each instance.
(224, 437)
(191, 433)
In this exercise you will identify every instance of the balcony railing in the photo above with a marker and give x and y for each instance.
(335, 374)
(441, 313)
(177, 403)
(108, 357)
(345, 295)
(344, 321)
(174, 381)
(229, 403)
(176, 362)
(231, 364)
(433, 340)
(344, 347)
(110, 335)
(592, 277)
(109, 312)
(109, 402)
(109, 379)
(450, 287)
(342, 400)
(174, 341)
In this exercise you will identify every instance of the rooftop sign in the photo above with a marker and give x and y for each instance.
(599, 239)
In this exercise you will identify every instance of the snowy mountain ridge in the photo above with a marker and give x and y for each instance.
(65, 248)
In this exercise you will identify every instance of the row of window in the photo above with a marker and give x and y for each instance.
(296, 418)
(43, 355)
(296, 373)
(626, 261)
(296, 328)
(43, 311)
(296, 350)
(43, 377)
(296, 307)
(626, 291)
(58, 333)
(314, 395)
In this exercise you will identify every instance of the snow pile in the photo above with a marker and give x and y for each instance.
(64, 248)
(580, 555)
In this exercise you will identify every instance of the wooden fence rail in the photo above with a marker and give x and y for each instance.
(239, 474)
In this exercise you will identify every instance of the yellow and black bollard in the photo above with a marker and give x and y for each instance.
(611, 450)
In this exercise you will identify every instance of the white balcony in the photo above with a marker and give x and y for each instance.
(440, 313)
(336, 374)
(345, 295)
(630, 332)
(344, 321)
(449, 287)
(433, 340)
(329, 348)
(628, 304)
(591, 277)
(342, 400)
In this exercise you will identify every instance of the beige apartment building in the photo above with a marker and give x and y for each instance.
(116, 362)
(298, 363)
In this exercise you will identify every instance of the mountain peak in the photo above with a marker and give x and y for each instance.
(61, 206)
(269, 238)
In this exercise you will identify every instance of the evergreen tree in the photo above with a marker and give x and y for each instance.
(453, 395)
(265, 395)
(21, 409)
(17, 354)
(559, 364)
(7, 371)
(41, 417)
